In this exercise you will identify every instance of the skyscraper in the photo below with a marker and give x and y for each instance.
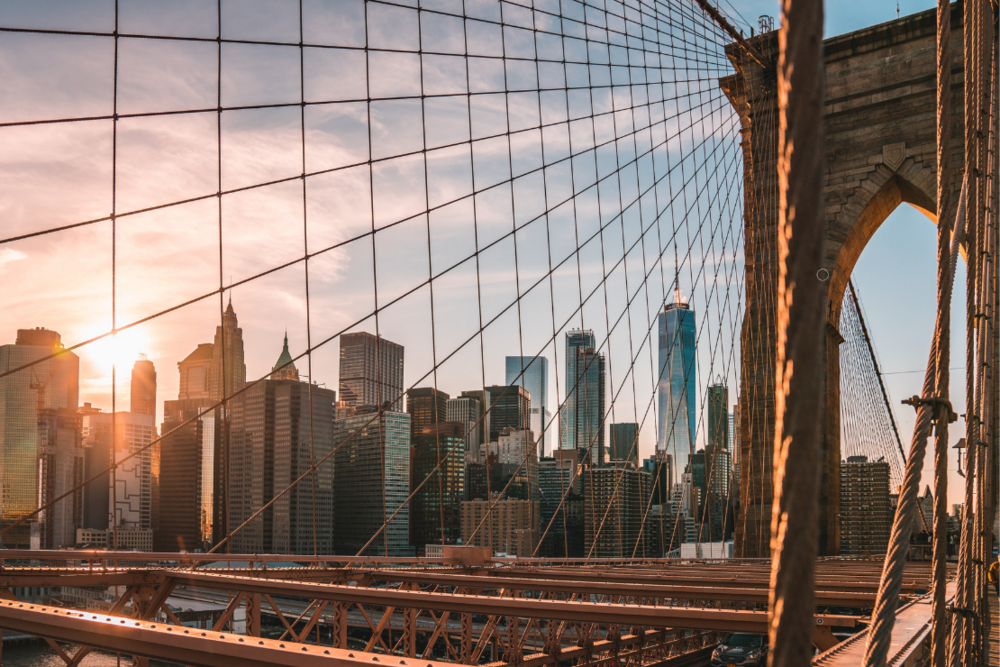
(676, 393)
(711, 471)
(468, 411)
(97, 442)
(143, 395)
(436, 509)
(279, 427)
(510, 407)
(625, 442)
(535, 379)
(60, 470)
(187, 477)
(49, 384)
(426, 406)
(865, 510)
(477, 435)
(371, 371)
(560, 486)
(229, 372)
(132, 490)
(581, 423)
(616, 497)
(196, 373)
(372, 481)
(718, 416)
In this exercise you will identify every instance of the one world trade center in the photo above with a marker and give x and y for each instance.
(676, 398)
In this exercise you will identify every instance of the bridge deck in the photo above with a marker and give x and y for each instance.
(913, 625)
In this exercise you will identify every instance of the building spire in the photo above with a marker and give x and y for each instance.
(284, 368)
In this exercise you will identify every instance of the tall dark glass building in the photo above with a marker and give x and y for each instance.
(437, 456)
(676, 390)
(426, 406)
(535, 378)
(510, 407)
(624, 442)
(372, 481)
(278, 427)
(718, 416)
(581, 423)
(371, 371)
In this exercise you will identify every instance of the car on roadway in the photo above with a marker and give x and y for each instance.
(740, 648)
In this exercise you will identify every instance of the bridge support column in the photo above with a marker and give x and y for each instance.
(753, 93)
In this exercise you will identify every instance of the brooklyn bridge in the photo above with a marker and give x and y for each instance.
(653, 193)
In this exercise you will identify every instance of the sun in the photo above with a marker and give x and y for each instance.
(119, 351)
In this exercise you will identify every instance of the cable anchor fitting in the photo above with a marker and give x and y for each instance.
(941, 407)
(962, 611)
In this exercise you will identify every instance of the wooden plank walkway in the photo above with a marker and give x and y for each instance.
(994, 660)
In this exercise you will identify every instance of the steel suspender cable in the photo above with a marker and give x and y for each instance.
(800, 321)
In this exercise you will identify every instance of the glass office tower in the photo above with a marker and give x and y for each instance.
(676, 393)
(536, 381)
(581, 425)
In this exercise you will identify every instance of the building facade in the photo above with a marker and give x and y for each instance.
(468, 411)
(372, 482)
(426, 406)
(560, 496)
(507, 526)
(371, 371)
(187, 476)
(49, 384)
(677, 400)
(865, 510)
(278, 428)
(615, 502)
(718, 417)
(60, 470)
(533, 374)
(228, 371)
(438, 464)
(510, 407)
(143, 388)
(625, 442)
(132, 481)
(196, 373)
(581, 421)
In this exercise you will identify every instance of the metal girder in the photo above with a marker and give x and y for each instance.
(719, 578)
(692, 618)
(757, 594)
(185, 646)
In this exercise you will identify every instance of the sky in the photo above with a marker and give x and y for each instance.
(59, 174)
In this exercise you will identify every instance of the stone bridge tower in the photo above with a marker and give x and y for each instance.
(879, 122)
